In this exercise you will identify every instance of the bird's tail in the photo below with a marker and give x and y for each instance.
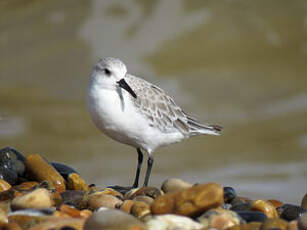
(197, 128)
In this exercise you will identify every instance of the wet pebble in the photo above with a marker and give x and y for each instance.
(263, 206)
(291, 212)
(252, 216)
(39, 198)
(238, 204)
(302, 222)
(127, 205)
(144, 191)
(4, 185)
(172, 222)
(140, 210)
(113, 219)
(220, 219)
(174, 185)
(97, 200)
(292, 225)
(190, 202)
(40, 170)
(75, 182)
(304, 202)
(274, 223)
(74, 198)
(145, 199)
(10, 226)
(8, 175)
(60, 223)
(229, 194)
(63, 169)
(3, 217)
(13, 160)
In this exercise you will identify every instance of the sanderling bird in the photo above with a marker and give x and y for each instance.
(138, 113)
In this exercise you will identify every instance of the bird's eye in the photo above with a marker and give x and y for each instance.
(107, 72)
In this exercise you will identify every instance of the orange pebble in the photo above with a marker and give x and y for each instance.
(86, 213)
(71, 211)
(4, 185)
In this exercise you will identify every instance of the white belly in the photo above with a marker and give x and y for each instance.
(120, 120)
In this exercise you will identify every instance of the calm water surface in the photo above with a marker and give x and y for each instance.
(240, 64)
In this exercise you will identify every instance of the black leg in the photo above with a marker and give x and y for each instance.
(148, 171)
(138, 170)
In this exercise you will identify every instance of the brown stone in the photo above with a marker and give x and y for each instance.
(274, 223)
(3, 217)
(39, 198)
(26, 222)
(110, 191)
(4, 185)
(126, 206)
(26, 186)
(97, 200)
(40, 170)
(113, 219)
(302, 222)
(247, 226)
(174, 185)
(275, 203)
(85, 213)
(145, 199)
(140, 210)
(71, 211)
(59, 223)
(10, 226)
(144, 191)
(190, 202)
(292, 225)
(265, 207)
(75, 182)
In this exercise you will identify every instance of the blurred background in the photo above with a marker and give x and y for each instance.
(237, 63)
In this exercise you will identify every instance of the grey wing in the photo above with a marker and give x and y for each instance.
(159, 108)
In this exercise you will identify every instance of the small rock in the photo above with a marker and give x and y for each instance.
(126, 206)
(265, 207)
(63, 169)
(274, 223)
(85, 213)
(3, 217)
(40, 170)
(172, 222)
(252, 216)
(140, 210)
(97, 200)
(174, 185)
(71, 211)
(229, 194)
(10, 226)
(75, 182)
(4, 185)
(247, 226)
(13, 160)
(74, 198)
(304, 202)
(144, 191)
(107, 191)
(291, 212)
(302, 222)
(39, 198)
(239, 204)
(8, 175)
(113, 219)
(33, 212)
(145, 199)
(60, 223)
(220, 219)
(275, 203)
(292, 225)
(190, 202)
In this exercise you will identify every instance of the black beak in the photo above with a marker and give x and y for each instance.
(123, 84)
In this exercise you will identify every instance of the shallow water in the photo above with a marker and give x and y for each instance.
(240, 64)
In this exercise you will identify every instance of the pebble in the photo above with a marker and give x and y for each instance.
(238, 204)
(292, 225)
(145, 199)
(113, 219)
(302, 222)
(8, 175)
(107, 191)
(140, 210)
(10, 226)
(304, 202)
(39, 198)
(291, 212)
(75, 182)
(13, 160)
(63, 169)
(60, 223)
(274, 223)
(74, 198)
(220, 219)
(252, 216)
(229, 194)
(3, 217)
(247, 226)
(144, 191)
(127, 205)
(190, 202)
(40, 170)
(174, 185)
(97, 200)
(265, 207)
(4, 185)
(71, 211)
(275, 203)
(172, 222)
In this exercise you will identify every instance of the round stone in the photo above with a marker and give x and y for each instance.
(229, 194)
(252, 216)
(291, 212)
(174, 185)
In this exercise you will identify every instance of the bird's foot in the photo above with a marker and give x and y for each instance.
(121, 189)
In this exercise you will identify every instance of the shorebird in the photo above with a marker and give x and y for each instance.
(137, 113)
